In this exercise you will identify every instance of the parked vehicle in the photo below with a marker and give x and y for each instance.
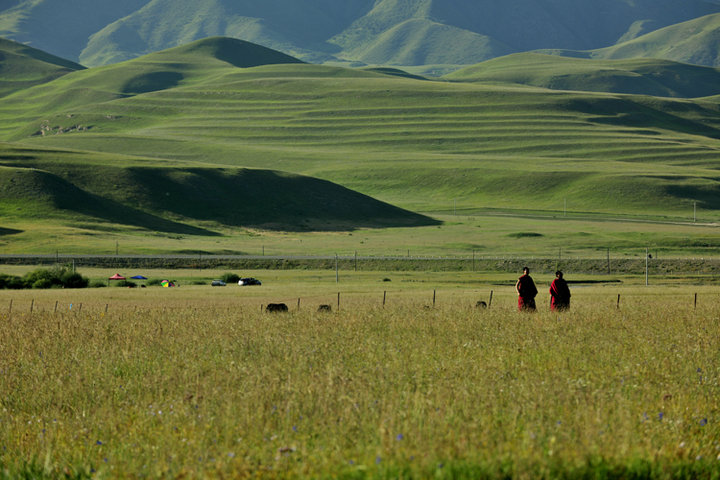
(218, 283)
(249, 281)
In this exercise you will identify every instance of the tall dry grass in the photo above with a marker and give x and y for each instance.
(195, 389)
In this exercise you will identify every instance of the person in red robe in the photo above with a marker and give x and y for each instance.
(527, 291)
(559, 293)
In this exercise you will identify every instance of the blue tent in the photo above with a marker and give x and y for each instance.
(139, 277)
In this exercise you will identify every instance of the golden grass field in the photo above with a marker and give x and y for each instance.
(198, 382)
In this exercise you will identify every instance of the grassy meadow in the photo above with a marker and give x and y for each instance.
(198, 382)
(488, 234)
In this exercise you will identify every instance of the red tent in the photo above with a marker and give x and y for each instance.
(117, 276)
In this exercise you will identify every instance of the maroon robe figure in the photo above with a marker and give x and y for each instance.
(527, 291)
(559, 293)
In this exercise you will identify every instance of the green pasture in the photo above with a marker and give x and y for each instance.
(198, 382)
(487, 234)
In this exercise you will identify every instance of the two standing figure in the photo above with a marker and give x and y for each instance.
(527, 291)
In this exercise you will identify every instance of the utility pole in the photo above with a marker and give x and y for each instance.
(608, 260)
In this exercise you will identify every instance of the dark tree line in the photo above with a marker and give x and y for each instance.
(44, 278)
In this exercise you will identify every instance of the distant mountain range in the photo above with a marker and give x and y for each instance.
(441, 33)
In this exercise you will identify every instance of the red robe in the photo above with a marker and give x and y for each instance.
(526, 293)
(559, 295)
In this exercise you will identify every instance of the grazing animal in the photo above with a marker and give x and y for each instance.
(276, 307)
(481, 304)
(324, 308)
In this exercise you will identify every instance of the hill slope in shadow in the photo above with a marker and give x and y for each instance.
(22, 67)
(37, 184)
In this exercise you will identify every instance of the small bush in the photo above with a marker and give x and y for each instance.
(230, 278)
(73, 280)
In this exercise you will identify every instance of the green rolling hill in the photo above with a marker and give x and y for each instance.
(694, 41)
(85, 189)
(640, 76)
(22, 67)
(279, 146)
(421, 41)
(72, 185)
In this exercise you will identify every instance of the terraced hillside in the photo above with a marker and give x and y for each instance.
(411, 142)
(425, 146)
